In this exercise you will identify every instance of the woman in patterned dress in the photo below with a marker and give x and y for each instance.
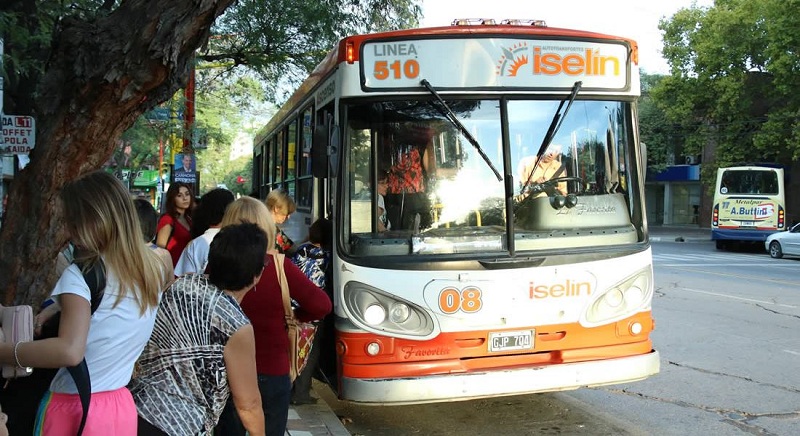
(202, 349)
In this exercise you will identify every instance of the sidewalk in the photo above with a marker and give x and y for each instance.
(314, 419)
(679, 234)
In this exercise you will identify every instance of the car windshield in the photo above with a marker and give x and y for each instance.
(435, 193)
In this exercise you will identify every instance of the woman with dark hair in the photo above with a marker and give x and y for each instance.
(148, 220)
(174, 226)
(202, 350)
(205, 225)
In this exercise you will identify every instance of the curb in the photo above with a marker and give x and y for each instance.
(316, 419)
(678, 239)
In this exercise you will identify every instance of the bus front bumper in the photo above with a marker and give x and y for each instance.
(494, 383)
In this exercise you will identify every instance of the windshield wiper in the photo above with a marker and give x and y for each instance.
(555, 124)
(448, 113)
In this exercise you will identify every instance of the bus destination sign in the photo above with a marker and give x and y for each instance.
(494, 63)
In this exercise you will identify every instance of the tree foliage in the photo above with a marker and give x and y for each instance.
(88, 69)
(283, 40)
(735, 69)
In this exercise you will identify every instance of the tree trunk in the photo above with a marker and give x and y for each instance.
(102, 75)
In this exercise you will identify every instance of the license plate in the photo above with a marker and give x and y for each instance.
(509, 341)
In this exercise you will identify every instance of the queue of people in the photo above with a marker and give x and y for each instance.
(209, 346)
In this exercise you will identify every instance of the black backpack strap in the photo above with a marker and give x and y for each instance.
(95, 277)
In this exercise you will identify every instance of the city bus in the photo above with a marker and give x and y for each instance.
(477, 283)
(749, 204)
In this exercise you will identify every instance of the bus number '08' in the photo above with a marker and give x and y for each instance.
(408, 69)
(451, 300)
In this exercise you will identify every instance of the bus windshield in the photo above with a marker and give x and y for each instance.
(437, 195)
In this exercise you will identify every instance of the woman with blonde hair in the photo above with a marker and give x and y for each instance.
(280, 206)
(249, 210)
(264, 308)
(102, 223)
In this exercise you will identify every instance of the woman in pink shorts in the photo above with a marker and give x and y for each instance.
(102, 223)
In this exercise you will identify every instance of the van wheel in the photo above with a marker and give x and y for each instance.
(775, 250)
(720, 245)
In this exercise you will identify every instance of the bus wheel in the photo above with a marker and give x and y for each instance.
(720, 245)
(775, 250)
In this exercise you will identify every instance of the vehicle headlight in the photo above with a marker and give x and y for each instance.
(374, 314)
(375, 310)
(630, 296)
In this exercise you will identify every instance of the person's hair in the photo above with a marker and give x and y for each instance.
(236, 256)
(148, 218)
(210, 210)
(320, 232)
(279, 201)
(101, 221)
(249, 210)
(172, 193)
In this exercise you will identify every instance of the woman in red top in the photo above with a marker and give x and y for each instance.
(265, 310)
(264, 306)
(175, 225)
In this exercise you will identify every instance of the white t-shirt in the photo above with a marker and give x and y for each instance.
(195, 256)
(117, 335)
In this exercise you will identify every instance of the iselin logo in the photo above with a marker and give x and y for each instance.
(567, 288)
(547, 61)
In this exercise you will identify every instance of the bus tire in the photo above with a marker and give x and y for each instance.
(720, 245)
(775, 250)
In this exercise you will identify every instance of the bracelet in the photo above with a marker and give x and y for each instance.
(16, 356)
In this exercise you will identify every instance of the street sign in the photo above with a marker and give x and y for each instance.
(19, 134)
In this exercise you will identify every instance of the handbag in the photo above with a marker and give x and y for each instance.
(17, 322)
(301, 334)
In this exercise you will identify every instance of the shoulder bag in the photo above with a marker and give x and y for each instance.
(301, 334)
(17, 323)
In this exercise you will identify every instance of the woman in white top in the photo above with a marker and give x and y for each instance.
(101, 221)
(205, 225)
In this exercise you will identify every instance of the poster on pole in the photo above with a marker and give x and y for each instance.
(185, 168)
(19, 134)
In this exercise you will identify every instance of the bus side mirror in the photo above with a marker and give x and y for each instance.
(324, 151)
(319, 151)
(334, 154)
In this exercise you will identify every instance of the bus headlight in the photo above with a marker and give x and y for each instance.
(374, 314)
(399, 313)
(630, 296)
(375, 310)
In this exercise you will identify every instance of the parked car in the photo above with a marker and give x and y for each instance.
(784, 243)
